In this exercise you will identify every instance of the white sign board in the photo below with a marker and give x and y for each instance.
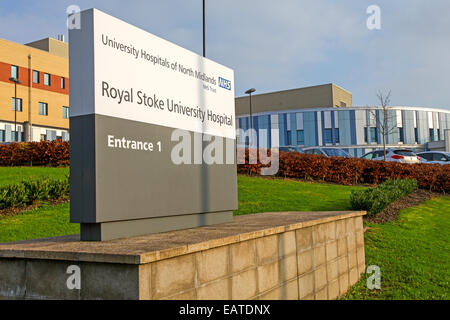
(141, 77)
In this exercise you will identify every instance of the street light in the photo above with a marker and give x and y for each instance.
(249, 92)
(204, 30)
(16, 82)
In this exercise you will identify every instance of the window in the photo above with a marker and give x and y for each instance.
(440, 157)
(379, 154)
(66, 112)
(373, 135)
(336, 135)
(368, 156)
(300, 137)
(17, 102)
(43, 109)
(416, 134)
(15, 72)
(289, 138)
(401, 135)
(431, 134)
(35, 76)
(63, 83)
(43, 137)
(427, 156)
(2, 135)
(47, 81)
(335, 152)
(317, 152)
(439, 134)
(328, 136)
(406, 153)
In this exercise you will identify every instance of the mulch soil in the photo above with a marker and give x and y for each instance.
(391, 212)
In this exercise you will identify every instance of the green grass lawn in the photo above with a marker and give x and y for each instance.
(413, 254)
(46, 221)
(275, 195)
(11, 175)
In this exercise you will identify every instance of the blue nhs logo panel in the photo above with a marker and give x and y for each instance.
(224, 83)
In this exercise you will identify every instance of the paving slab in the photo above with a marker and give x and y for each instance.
(151, 248)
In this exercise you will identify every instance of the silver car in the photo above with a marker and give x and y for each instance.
(291, 149)
(327, 152)
(435, 157)
(393, 155)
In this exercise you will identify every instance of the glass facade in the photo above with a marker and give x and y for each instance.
(357, 130)
(300, 137)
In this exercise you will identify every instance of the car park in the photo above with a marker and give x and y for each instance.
(393, 155)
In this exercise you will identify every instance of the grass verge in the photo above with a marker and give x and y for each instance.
(12, 175)
(413, 254)
(43, 222)
(276, 195)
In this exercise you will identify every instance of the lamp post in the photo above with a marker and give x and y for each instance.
(249, 92)
(204, 30)
(16, 82)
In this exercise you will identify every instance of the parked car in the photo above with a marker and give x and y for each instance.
(393, 155)
(327, 152)
(291, 149)
(435, 157)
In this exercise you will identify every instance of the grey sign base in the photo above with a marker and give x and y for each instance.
(122, 229)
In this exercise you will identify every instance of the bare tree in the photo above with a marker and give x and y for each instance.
(384, 124)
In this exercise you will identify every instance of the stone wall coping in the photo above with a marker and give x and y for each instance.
(155, 247)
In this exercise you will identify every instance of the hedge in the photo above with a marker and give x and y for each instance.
(353, 171)
(346, 171)
(44, 153)
(26, 192)
(374, 200)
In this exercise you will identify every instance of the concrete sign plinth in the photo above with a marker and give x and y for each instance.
(291, 255)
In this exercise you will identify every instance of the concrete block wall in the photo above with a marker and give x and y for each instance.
(306, 261)
(318, 262)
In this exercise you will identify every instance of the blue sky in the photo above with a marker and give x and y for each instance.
(277, 45)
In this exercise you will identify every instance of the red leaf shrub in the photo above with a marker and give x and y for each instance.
(44, 153)
(351, 171)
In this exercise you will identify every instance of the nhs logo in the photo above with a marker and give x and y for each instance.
(224, 83)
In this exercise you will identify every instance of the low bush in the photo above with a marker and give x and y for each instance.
(374, 200)
(27, 192)
(353, 171)
(44, 153)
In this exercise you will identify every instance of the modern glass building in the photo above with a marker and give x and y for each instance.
(357, 130)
